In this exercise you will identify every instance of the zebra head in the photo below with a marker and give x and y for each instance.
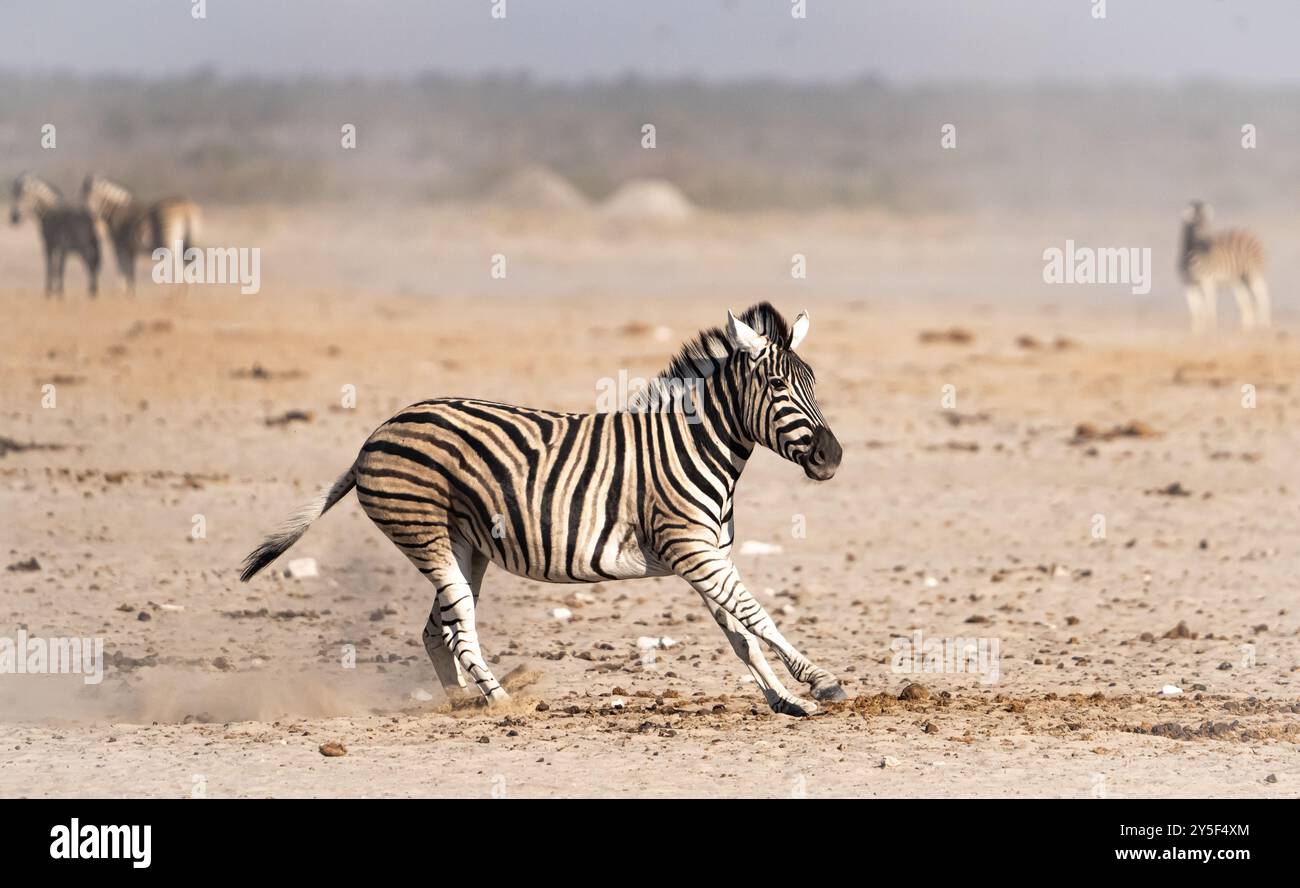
(777, 402)
(101, 196)
(31, 194)
(1198, 214)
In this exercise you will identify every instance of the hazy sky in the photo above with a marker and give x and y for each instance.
(1250, 41)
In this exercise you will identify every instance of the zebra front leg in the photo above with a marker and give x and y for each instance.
(1263, 307)
(1194, 309)
(747, 649)
(712, 574)
(1245, 305)
(1210, 306)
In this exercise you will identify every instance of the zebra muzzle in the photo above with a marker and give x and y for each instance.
(823, 457)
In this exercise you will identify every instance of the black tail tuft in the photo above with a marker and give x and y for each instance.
(279, 542)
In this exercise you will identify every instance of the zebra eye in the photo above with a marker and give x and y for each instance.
(778, 385)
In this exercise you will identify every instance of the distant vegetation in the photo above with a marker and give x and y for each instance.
(731, 147)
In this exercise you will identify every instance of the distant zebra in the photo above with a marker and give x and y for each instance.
(64, 229)
(587, 497)
(140, 228)
(1233, 257)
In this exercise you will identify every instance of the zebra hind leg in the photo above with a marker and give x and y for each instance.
(455, 604)
(450, 675)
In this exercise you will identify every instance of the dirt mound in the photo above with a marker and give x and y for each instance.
(652, 200)
(537, 188)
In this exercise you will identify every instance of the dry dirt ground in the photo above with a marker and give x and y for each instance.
(976, 520)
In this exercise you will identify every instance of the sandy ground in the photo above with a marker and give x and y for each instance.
(977, 520)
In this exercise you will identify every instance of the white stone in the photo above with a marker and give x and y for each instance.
(301, 567)
(561, 613)
(1170, 691)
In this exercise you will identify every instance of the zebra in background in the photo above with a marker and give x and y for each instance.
(64, 229)
(457, 484)
(137, 228)
(1233, 257)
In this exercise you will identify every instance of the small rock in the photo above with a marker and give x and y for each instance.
(1271, 778)
(300, 568)
(28, 564)
(1170, 691)
(889, 762)
(915, 691)
(144, 616)
(333, 749)
(561, 613)
(651, 643)
(1180, 631)
(756, 547)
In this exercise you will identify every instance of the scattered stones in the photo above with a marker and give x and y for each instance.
(290, 416)
(1086, 432)
(951, 336)
(25, 566)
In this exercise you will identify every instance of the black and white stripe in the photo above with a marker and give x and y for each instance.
(1209, 260)
(458, 483)
(135, 228)
(64, 229)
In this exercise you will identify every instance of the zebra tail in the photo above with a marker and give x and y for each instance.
(292, 530)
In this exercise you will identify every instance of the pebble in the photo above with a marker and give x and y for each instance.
(561, 613)
(300, 568)
(333, 749)
(1170, 691)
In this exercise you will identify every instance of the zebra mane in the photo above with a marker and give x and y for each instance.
(703, 355)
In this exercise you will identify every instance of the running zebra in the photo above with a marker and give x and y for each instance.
(1233, 257)
(457, 484)
(139, 228)
(64, 229)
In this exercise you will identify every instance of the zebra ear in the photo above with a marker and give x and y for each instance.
(743, 336)
(798, 331)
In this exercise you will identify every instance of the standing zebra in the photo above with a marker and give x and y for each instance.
(64, 229)
(140, 228)
(1233, 257)
(584, 497)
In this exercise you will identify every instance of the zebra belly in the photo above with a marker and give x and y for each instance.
(622, 557)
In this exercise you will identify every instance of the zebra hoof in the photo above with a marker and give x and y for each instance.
(793, 706)
(829, 692)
